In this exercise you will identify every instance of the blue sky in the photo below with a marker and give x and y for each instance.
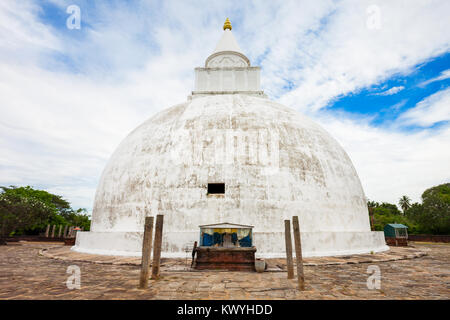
(385, 106)
(375, 74)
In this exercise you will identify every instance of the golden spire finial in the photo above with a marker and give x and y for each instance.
(227, 25)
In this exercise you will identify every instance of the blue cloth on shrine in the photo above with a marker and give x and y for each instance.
(234, 238)
(218, 238)
(208, 240)
(246, 241)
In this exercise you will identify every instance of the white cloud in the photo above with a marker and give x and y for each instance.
(443, 76)
(344, 56)
(390, 92)
(22, 35)
(59, 127)
(433, 109)
(396, 107)
(392, 163)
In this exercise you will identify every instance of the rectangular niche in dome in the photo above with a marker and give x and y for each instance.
(216, 188)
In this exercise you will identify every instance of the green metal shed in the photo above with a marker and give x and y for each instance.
(396, 230)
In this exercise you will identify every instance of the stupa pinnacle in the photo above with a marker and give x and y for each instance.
(227, 25)
(227, 70)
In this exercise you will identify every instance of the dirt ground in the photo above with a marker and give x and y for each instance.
(25, 274)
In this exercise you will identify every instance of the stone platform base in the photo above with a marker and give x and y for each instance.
(268, 244)
(274, 265)
(232, 259)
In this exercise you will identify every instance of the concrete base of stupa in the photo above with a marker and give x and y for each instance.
(268, 244)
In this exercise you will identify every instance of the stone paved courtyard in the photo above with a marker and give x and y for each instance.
(26, 274)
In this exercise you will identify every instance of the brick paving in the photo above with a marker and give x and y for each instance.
(26, 274)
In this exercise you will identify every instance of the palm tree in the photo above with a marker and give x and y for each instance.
(405, 203)
(372, 204)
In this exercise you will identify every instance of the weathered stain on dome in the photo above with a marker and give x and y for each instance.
(298, 154)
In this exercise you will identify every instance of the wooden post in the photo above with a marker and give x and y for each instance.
(157, 246)
(372, 223)
(47, 231)
(65, 232)
(289, 260)
(193, 253)
(146, 252)
(298, 253)
(60, 230)
(53, 230)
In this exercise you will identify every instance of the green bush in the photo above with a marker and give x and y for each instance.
(24, 210)
(432, 216)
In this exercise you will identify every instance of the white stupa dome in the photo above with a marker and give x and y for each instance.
(274, 164)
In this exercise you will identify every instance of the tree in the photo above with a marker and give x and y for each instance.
(372, 204)
(79, 218)
(432, 216)
(435, 217)
(413, 215)
(58, 205)
(61, 206)
(20, 212)
(404, 203)
(415, 210)
(388, 208)
(386, 213)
